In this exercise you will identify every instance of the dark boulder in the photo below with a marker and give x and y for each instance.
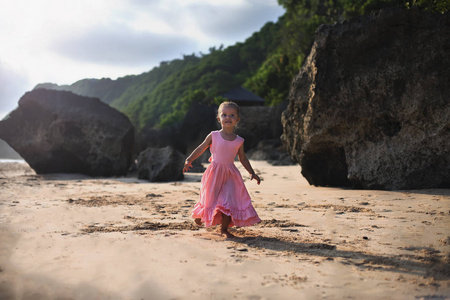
(61, 132)
(260, 123)
(161, 164)
(371, 105)
(184, 137)
(271, 151)
(261, 128)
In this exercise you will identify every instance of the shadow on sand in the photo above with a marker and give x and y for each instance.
(427, 265)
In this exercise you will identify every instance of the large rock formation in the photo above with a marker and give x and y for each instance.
(261, 128)
(56, 132)
(160, 164)
(260, 123)
(184, 137)
(371, 106)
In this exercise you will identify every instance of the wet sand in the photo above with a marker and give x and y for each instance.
(66, 236)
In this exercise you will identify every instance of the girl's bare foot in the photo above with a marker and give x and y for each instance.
(228, 234)
(198, 221)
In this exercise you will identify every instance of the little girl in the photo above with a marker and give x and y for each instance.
(223, 197)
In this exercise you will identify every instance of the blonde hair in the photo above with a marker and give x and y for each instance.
(227, 103)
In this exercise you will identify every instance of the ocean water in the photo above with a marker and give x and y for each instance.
(8, 160)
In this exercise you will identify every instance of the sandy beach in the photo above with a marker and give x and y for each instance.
(76, 237)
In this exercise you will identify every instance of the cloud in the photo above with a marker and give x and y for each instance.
(147, 32)
(64, 41)
(219, 20)
(119, 44)
(234, 22)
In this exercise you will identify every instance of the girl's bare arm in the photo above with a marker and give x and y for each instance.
(197, 152)
(244, 161)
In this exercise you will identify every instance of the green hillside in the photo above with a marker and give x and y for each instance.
(265, 64)
(173, 86)
(106, 89)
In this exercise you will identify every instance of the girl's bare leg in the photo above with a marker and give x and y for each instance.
(198, 221)
(224, 228)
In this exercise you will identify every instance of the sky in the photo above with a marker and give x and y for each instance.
(63, 41)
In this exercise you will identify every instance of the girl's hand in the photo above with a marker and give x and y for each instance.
(187, 166)
(256, 177)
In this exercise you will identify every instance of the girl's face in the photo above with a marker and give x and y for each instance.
(228, 117)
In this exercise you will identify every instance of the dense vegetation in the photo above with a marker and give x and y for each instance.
(265, 64)
(167, 91)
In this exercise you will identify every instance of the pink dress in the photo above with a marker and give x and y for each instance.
(222, 188)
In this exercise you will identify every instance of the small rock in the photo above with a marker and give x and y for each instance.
(242, 249)
(160, 164)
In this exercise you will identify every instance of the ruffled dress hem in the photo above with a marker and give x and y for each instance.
(212, 216)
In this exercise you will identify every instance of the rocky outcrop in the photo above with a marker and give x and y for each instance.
(260, 123)
(160, 164)
(261, 128)
(184, 137)
(271, 151)
(60, 132)
(370, 107)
